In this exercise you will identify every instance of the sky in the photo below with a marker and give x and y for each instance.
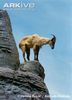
(45, 18)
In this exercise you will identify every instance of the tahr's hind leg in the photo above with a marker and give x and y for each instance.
(36, 52)
(24, 58)
(23, 51)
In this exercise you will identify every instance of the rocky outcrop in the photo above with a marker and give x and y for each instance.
(8, 50)
(27, 82)
(18, 81)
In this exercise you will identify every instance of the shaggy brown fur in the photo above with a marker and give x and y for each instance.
(35, 41)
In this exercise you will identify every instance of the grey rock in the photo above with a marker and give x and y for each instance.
(18, 81)
(23, 83)
(33, 67)
(8, 50)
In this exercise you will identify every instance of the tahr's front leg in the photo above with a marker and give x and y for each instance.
(28, 52)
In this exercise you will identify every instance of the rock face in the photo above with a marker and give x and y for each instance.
(18, 81)
(8, 50)
(26, 83)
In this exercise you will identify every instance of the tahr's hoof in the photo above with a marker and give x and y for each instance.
(25, 62)
(36, 61)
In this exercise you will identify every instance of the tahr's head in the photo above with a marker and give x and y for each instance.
(52, 42)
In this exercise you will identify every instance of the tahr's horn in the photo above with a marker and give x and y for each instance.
(53, 35)
(53, 40)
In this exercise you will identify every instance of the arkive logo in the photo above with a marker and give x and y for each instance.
(19, 5)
